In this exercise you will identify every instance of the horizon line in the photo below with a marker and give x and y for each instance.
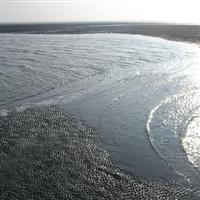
(98, 22)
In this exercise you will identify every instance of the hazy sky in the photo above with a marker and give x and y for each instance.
(172, 11)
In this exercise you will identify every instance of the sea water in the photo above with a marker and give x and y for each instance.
(141, 92)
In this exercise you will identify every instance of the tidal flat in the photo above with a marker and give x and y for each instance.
(100, 111)
(47, 154)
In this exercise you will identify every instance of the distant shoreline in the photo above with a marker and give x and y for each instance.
(188, 33)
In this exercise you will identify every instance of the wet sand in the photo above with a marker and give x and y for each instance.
(47, 154)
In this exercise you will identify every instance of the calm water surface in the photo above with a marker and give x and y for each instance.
(141, 93)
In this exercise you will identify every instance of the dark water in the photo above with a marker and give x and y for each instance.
(140, 93)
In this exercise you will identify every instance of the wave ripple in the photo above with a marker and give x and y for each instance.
(46, 154)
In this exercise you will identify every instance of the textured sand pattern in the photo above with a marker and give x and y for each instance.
(47, 154)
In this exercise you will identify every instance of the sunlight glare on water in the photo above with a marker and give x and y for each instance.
(191, 140)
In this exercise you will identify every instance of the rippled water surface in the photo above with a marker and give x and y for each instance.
(142, 93)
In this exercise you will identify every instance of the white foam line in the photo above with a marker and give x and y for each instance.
(150, 117)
